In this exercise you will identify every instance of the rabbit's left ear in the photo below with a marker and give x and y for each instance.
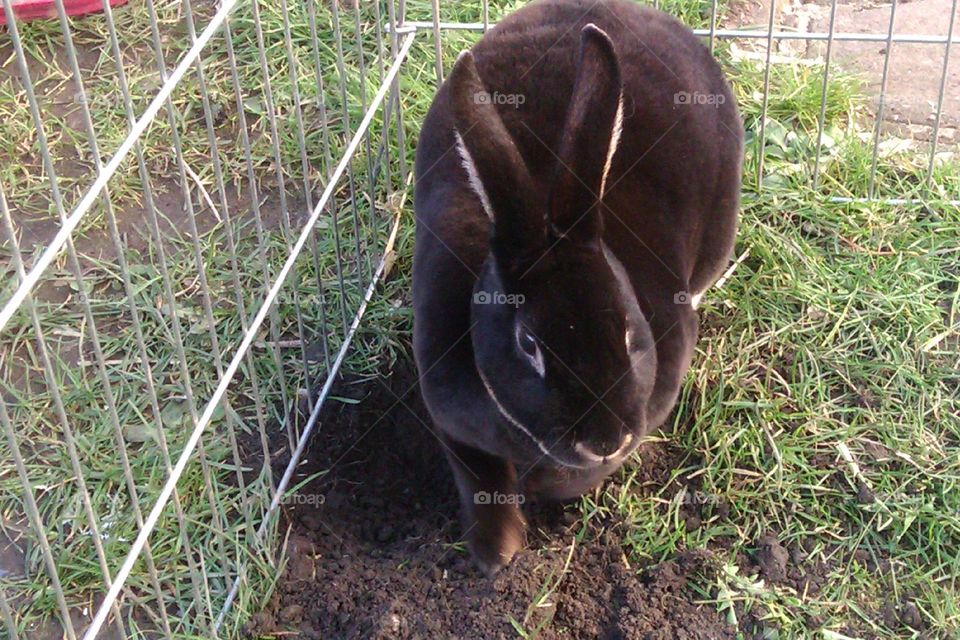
(589, 139)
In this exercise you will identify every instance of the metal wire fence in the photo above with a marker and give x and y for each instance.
(199, 204)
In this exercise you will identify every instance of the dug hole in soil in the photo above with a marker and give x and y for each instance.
(378, 555)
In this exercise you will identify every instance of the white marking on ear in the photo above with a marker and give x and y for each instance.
(472, 176)
(628, 338)
(519, 425)
(614, 143)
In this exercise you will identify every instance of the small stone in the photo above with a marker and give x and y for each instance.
(723, 510)
(865, 494)
(772, 558)
(308, 631)
(311, 521)
(291, 614)
(797, 554)
(889, 613)
(392, 623)
(910, 615)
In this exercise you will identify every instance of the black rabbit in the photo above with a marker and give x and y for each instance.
(578, 181)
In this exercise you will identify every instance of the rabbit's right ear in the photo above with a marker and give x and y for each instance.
(495, 167)
(589, 140)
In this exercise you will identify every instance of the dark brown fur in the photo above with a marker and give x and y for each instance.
(668, 215)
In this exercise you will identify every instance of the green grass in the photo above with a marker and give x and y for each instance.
(836, 335)
(829, 335)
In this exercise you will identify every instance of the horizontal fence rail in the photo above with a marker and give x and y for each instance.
(905, 38)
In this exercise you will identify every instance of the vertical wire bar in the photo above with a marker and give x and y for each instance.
(378, 22)
(312, 23)
(388, 111)
(371, 178)
(713, 23)
(341, 71)
(304, 159)
(328, 167)
(321, 89)
(261, 252)
(485, 11)
(437, 47)
(286, 220)
(196, 580)
(871, 187)
(382, 167)
(766, 96)
(8, 620)
(34, 515)
(327, 164)
(281, 188)
(943, 88)
(206, 302)
(823, 94)
(395, 91)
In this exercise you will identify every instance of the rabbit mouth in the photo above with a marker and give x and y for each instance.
(593, 460)
(605, 459)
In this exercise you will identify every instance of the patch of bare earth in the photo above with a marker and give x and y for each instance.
(374, 548)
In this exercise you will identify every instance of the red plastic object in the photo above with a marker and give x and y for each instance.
(45, 9)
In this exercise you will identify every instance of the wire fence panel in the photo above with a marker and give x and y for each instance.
(199, 204)
(202, 203)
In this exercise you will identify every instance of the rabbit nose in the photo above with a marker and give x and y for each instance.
(601, 452)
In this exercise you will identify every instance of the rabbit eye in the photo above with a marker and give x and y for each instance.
(527, 344)
(526, 341)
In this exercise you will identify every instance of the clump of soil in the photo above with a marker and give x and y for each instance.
(374, 548)
(772, 558)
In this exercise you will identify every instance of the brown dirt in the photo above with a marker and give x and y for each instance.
(374, 551)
